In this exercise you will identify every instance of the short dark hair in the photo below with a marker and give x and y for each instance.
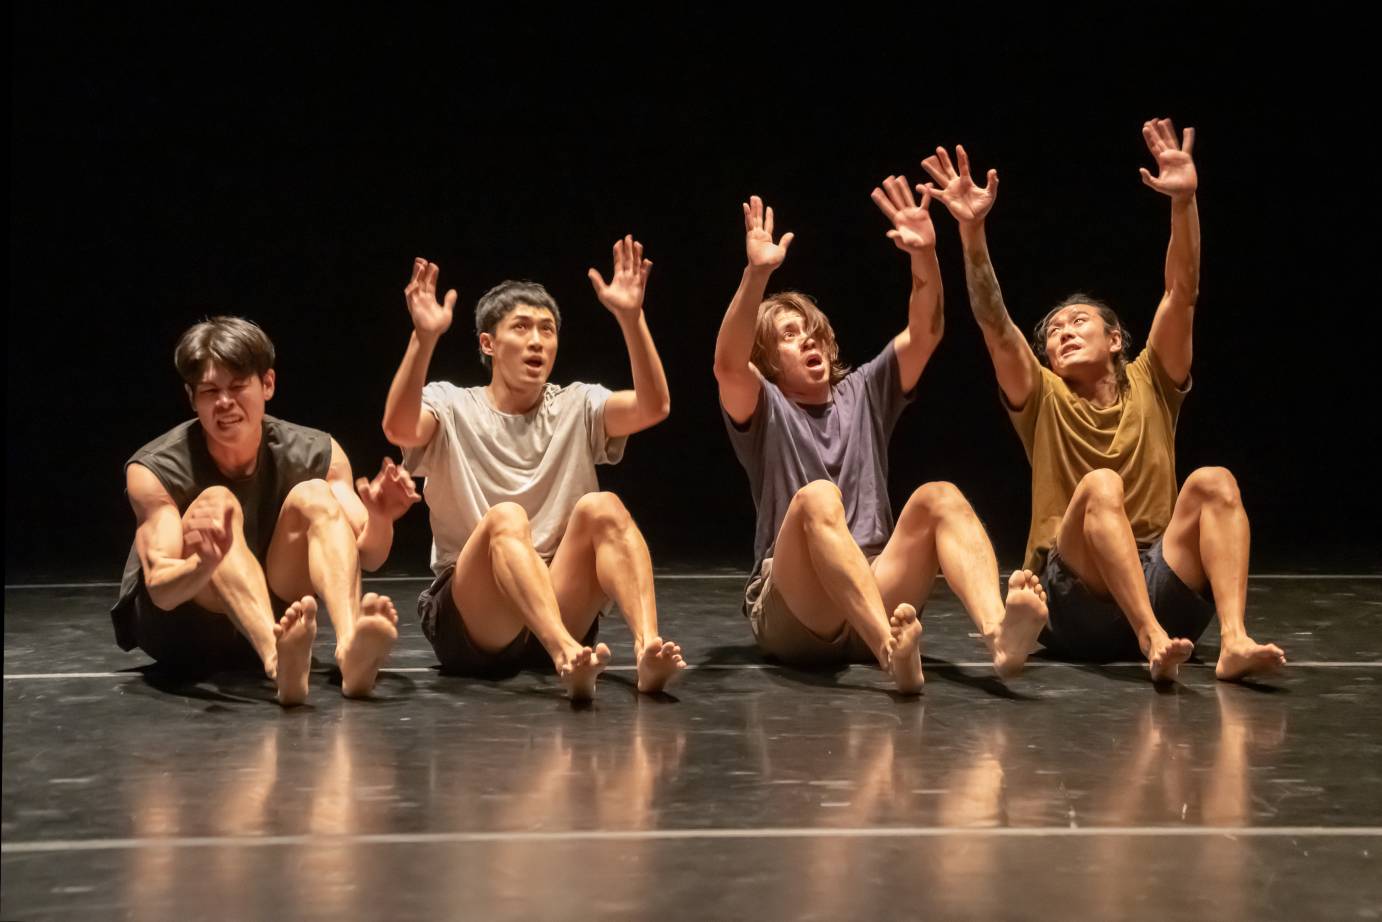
(1111, 322)
(233, 342)
(495, 304)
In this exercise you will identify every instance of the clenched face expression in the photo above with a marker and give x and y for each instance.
(230, 406)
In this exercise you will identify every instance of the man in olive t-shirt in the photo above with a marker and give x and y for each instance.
(1130, 566)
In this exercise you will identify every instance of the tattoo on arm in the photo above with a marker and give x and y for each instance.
(985, 297)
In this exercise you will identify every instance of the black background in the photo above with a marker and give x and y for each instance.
(165, 169)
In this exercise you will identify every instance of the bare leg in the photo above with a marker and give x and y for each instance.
(502, 586)
(602, 555)
(313, 551)
(295, 633)
(938, 527)
(1207, 542)
(827, 583)
(1095, 540)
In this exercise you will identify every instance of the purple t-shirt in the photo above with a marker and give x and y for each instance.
(785, 446)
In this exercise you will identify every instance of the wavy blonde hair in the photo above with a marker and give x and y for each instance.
(764, 355)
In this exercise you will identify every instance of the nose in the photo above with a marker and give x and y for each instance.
(224, 401)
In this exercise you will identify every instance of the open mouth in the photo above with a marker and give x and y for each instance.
(814, 362)
(534, 362)
(1068, 350)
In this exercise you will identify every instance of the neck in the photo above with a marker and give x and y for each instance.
(1100, 388)
(237, 460)
(509, 398)
(811, 395)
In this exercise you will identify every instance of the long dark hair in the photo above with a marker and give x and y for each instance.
(1111, 323)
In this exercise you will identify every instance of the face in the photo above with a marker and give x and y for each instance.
(523, 346)
(231, 406)
(801, 357)
(1076, 337)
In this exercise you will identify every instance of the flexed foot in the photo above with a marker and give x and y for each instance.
(294, 634)
(905, 661)
(1024, 616)
(1244, 657)
(374, 636)
(579, 672)
(1165, 654)
(659, 662)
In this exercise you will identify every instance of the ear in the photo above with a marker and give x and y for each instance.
(268, 380)
(191, 396)
(1115, 340)
(487, 344)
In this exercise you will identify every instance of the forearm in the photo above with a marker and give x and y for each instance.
(374, 542)
(985, 297)
(403, 408)
(734, 345)
(649, 380)
(170, 582)
(926, 305)
(1183, 252)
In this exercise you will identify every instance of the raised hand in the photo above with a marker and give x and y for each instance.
(1176, 175)
(208, 531)
(430, 317)
(758, 236)
(912, 230)
(624, 293)
(956, 189)
(390, 493)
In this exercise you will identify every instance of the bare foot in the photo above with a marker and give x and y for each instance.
(905, 662)
(1245, 657)
(659, 662)
(1023, 618)
(294, 635)
(1165, 654)
(369, 646)
(580, 671)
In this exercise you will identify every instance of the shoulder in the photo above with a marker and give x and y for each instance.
(308, 448)
(172, 440)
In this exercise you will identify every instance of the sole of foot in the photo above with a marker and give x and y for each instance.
(905, 662)
(1024, 616)
(374, 637)
(581, 671)
(659, 664)
(1164, 658)
(294, 634)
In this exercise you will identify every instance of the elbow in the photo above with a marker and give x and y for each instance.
(398, 437)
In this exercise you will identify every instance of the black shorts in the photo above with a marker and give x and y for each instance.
(190, 639)
(457, 653)
(1083, 626)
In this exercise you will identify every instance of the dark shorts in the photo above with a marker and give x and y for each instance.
(1086, 627)
(782, 637)
(190, 639)
(457, 653)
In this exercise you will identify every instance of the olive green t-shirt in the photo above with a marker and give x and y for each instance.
(1066, 437)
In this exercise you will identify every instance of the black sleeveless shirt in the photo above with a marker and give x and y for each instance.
(288, 455)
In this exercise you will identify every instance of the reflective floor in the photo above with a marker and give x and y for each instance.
(751, 792)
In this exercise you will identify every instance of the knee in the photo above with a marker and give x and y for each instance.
(1102, 488)
(603, 512)
(820, 500)
(1213, 485)
(938, 500)
(219, 497)
(314, 500)
(507, 520)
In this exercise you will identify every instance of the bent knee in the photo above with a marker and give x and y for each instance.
(1213, 485)
(937, 499)
(506, 519)
(218, 495)
(1102, 486)
(602, 510)
(819, 498)
(314, 499)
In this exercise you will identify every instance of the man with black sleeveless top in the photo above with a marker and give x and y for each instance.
(237, 512)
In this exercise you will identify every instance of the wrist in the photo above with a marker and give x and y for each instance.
(425, 339)
(758, 273)
(971, 231)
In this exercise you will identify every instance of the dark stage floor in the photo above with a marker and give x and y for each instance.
(757, 792)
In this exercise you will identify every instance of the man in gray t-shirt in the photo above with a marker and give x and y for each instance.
(834, 580)
(525, 551)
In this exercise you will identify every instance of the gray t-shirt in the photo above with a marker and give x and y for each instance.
(785, 446)
(543, 460)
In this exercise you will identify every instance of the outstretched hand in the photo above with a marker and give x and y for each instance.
(758, 236)
(968, 203)
(912, 230)
(390, 494)
(430, 317)
(623, 296)
(1176, 175)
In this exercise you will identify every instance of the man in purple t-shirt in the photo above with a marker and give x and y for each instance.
(834, 579)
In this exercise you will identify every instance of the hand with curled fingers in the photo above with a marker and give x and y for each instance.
(623, 295)
(431, 318)
(912, 230)
(1176, 174)
(953, 186)
(390, 494)
(758, 236)
(208, 530)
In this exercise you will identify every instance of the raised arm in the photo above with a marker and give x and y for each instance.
(915, 235)
(371, 506)
(735, 375)
(162, 537)
(648, 404)
(1171, 336)
(1013, 360)
(406, 423)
